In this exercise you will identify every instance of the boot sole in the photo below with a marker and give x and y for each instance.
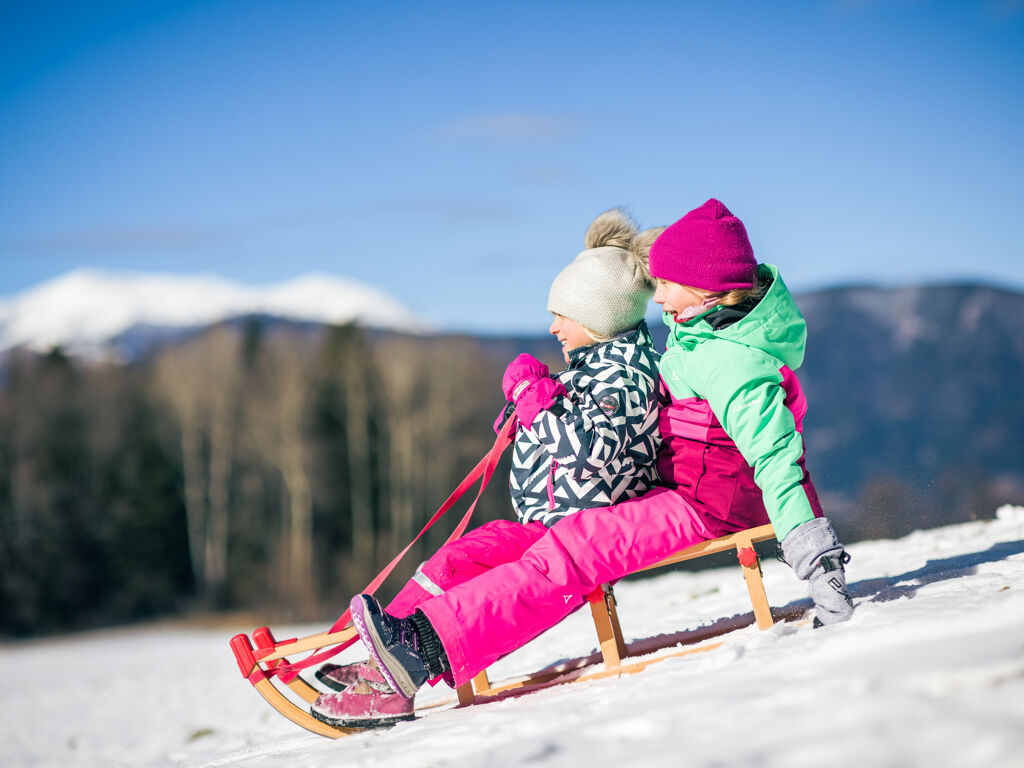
(374, 722)
(389, 666)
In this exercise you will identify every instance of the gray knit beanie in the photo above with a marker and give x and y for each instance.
(606, 287)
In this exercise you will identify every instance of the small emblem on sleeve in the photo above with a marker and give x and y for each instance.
(609, 404)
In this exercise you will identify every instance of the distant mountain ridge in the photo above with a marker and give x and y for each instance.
(84, 311)
(915, 406)
(915, 393)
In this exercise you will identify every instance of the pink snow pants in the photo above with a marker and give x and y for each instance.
(504, 583)
(478, 551)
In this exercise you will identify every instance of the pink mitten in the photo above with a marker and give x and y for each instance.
(507, 411)
(539, 396)
(520, 375)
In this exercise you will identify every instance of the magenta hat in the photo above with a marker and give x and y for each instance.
(708, 248)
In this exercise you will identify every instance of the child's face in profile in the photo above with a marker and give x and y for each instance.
(674, 298)
(570, 333)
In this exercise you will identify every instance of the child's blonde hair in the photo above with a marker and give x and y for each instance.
(740, 295)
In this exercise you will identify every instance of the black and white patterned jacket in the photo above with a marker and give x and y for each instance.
(596, 446)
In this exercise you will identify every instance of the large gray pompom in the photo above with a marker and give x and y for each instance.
(614, 227)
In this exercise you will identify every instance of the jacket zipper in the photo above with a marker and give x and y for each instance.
(551, 484)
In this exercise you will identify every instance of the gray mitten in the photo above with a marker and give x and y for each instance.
(817, 557)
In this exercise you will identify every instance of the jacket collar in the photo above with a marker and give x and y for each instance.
(580, 356)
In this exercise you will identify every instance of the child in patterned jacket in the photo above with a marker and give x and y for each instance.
(585, 437)
(588, 436)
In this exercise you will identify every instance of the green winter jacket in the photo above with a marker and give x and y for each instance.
(733, 387)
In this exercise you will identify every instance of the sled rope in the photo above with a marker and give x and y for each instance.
(483, 471)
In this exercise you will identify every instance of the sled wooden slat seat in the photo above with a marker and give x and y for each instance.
(321, 640)
(606, 620)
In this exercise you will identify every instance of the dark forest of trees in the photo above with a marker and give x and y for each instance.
(257, 466)
(276, 466)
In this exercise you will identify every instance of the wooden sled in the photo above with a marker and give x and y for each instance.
(258, 662)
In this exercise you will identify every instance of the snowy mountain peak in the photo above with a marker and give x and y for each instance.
(84, 309)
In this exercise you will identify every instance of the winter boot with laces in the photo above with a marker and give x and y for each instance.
(407, 650)
(368, 702)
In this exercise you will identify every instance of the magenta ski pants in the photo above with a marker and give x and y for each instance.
(475, 553)
(487, 607)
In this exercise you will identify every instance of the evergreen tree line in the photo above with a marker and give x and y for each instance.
(258, 466)
(276, 467)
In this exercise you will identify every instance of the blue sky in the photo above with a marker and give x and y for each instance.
(453, 153)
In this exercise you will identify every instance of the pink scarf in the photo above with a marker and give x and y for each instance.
(697, 309)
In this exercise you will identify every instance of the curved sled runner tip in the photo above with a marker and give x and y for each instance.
(272, 655)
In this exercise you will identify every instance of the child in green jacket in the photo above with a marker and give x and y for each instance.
(733, 431)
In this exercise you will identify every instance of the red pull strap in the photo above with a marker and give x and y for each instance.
(485, 468)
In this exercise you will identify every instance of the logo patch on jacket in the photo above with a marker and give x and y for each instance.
(609, 405)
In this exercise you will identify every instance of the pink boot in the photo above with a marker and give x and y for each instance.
(338, 677)
(368, 703)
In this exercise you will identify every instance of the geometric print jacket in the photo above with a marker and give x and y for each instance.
(597, 445)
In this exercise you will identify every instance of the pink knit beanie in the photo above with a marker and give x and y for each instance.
(707, 248)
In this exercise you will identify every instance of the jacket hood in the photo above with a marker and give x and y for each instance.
(774, 326)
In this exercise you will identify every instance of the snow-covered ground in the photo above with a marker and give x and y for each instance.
(930, 672)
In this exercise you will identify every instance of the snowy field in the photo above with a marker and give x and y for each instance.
(930, 672)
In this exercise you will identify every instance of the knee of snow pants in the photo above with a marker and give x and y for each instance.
(478, 551)
(489, 616)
